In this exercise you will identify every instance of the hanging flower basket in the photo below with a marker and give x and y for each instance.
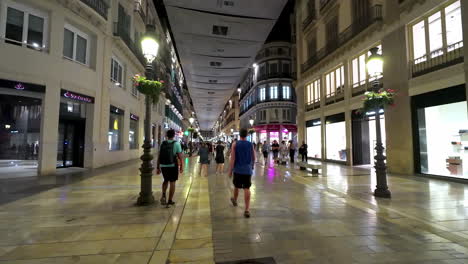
(251, 131)
(191, 129)
(148, 87)
(378, 100)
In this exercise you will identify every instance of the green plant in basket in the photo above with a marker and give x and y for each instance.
(191, 129)
(148, 87)
(378, 100)
(251, 131)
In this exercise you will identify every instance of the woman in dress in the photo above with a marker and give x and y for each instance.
(219, 157)
(204, 159)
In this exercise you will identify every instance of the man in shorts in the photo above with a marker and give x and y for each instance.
(170, 169)
(242, 162)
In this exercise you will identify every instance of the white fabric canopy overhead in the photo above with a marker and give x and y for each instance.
(214, 64)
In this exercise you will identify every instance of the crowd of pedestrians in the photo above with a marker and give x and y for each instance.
(242, 157)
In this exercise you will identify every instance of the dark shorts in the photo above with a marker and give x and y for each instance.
(242, 181)
(220, 160)
(265, 154)
(170, 174)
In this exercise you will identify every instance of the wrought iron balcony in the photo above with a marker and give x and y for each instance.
(311, 17)
(140, 11)
(438, 59)
(325, 3)
(349, 33)
(100, 6)
(273, 75)
(122, 31)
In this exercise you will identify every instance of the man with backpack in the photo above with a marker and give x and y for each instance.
(170, 164)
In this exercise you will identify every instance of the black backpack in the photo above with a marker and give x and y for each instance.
(166, 154)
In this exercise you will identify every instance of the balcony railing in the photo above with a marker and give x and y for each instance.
(335, 97)
(311, 17)
(271, 54)
(292, 99)
(273, 75)
(438, 59)
(313, 105)
(121, 31)
(324, 3)
(100, 6)
(140, 11)
(349, 33)
(364, 86)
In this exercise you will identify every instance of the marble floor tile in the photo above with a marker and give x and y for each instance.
(332, 218)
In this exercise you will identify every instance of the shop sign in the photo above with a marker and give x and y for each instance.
(22, 86)
(290, 128)
(77, 96)
(116, 110)
(134, 117)
(313, 122)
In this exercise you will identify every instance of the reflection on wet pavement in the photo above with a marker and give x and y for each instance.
(90, 217)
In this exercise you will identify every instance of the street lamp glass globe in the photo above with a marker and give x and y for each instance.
(191, 119)
(149, 47)
(375, 63)
(251, 121)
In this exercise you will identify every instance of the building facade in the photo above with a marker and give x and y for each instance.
(422, 46)
(227, 126)
(66, 94)
(267, 95)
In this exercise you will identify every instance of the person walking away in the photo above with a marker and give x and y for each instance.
(303, 151)
(204, 153)
(210, 148)
(284, 152)
(170, 164)
(265, 151)
(275, 148)
(219, 158)
(292, 151)
(242, 162)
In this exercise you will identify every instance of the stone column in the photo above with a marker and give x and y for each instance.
(300, 119)
(398, 125)
(49, 129)
(464, 12)
(348, 118)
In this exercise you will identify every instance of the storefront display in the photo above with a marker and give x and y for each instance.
(133, 132)
(274, 136)
(72, 128)
(442, 132)
(278, 132)
(314, 138)
(263, 136)
(20, 120)
(115, 128)
(336, 137)
(364, 136)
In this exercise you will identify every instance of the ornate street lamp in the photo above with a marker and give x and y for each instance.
(191, 120)
(374, 66)
(149, 47)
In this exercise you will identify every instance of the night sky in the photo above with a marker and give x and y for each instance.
(282, 29)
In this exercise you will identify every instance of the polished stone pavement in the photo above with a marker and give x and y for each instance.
(90, 217)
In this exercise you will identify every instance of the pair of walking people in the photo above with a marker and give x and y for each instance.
(241, 167)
